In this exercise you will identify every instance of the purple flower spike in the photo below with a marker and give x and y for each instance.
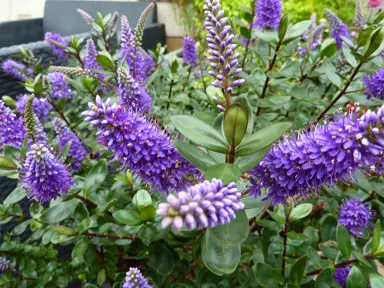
(12, 130)
(317, 36)
(140, 145)
(223, 58)
(44, 176)
(90, 58)
(268, 14)
(131, 93)
(341, 276)
(375, 85)
(6, 265)
(76, 150)
(137, 59)
(135, 279)
(204, 205)
(323, 155)
(355, 217)
(41, 106)
(189, 51)
(338, 28)
(58, 51)
(16, 69)
(60, 87)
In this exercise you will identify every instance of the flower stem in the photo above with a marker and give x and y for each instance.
(342, 92)
(270, 67)
(170, 93)
(339, 265)
(109, 236)
(250, 39)
(187, 80)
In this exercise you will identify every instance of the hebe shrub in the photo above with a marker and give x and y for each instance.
(252, 159)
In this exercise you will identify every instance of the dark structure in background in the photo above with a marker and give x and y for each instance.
(61, 16)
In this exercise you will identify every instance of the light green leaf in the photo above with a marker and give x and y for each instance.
(128, 217)
(300, 211)
(296, 31)
(96, 176)
(15, 196)
(225, 172)
(200, 133)
(356, 279)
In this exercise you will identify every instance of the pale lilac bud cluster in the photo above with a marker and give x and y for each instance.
(5, 265)
(134, 279)
(338, 28)
(204, 205)
(359, 20)
(223, 57)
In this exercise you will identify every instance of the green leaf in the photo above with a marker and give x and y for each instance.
(11, 152)
(15, 196)
(142, 199)
(101, 276)
(24, 148)
(284, 21)
(376, 281)
(235, 232)
(349, 56)
(148, 213)
(84, 225)
(363, 182)
(328, 48)
(300, 211)
(245, 102)
(296, 236)
(296, 31)
(275, 216)
(376, 236)
(246, 163)
(245, 33)
(344, 241)
(104, 59)
(80, 249)
(330, 72)
(269, 36)
(328, 228)
(128, 217)
(219, 258)
(20, 228)
(160, 258)
(359, 256)
(59, 212)
(63, 230)
(261, 139)
(200, 133)
(96, 176)
(297, 270)
(64, 152)
(194, 155)
(356, 279)
(225, 172)
(235, 123)
(324, 280)
(267, 276)
(7, 164)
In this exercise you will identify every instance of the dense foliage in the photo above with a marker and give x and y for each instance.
(252, 159)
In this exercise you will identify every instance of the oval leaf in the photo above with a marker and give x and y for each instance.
(300, 211)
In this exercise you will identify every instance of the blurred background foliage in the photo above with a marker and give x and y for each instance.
(298, 10)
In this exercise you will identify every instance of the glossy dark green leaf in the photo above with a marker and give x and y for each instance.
(80, 249)
(200, 133)
(246, 163)
(142, 199)
(297, 270)
(328, 228)
(128, 217)
(328, 48)
(376, 281)
(283, 26)
(356, 279)
(59, 212)
(236, 232)
(344, 241)
(261, 139)
(105, 60)
(267, 276)
(226, 172)
(195, 155)
(300, 211)
(7, 164)
(275, 216)
(161, 258)
(15, 196)
(219, 258)
(376, 236)
(324, 280)
(296, 31)
(96, 176)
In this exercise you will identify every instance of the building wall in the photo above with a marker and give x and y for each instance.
(20, 9)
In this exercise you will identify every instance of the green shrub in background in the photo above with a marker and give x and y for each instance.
(302, 9)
